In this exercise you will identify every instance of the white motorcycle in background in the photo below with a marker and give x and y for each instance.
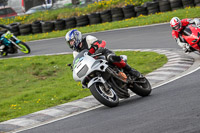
(106, 82)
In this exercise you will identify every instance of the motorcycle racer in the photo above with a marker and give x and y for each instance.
(2, 46)
(178, 26)
(75, 41)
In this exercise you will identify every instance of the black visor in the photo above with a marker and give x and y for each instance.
(177, 27)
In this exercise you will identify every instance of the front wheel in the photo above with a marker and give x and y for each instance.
(104, 95)
(24, 48)
(141, 87)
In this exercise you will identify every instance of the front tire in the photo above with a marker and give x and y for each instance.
(24, 48)
(107, 97)
(142, 89)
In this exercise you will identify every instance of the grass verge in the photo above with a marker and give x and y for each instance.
(138, 21)
(35, 83)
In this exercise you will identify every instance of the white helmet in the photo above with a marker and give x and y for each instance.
(73, 35)
(175, 23)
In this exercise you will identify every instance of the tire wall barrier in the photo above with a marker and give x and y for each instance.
(106, 16)
(115, 14)
(15, 28)
(82, 21)
(25, 29)
(47, 26)
(94, 18)
(36, 27)
(129, 11)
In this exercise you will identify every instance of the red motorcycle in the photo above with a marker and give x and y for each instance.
(191, 34)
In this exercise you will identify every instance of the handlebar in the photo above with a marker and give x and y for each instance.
(97, 54)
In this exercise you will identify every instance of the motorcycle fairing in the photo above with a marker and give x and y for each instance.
(94, 80)
(86, 66)
(18, 41)
(6, 42)
(192, 36)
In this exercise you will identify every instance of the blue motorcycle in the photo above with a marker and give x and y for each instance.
(12, 44)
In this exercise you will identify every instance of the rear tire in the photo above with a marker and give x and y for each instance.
(25, 48)
(108, 98)
(142, 89)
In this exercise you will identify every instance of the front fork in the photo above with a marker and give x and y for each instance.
(15, 43)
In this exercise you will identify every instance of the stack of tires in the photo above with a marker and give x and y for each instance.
(70, 23)
(59, 24)
(15, 28)
(197, 2)
(2, 32)
(141, 10)
(117, 14)
(94, 18)
(25, 29)
(36, 27)
(164, 5)
(106, 16)
(129, 11)
(47, 26)
(152, 7)
(82, 21)
(188, 3)
(176, 4)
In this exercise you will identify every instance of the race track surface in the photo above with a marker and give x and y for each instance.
(171, 108)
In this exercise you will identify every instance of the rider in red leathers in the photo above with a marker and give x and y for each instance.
(77, 44)
(178, 26)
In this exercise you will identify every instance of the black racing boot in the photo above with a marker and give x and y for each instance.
(132, 71)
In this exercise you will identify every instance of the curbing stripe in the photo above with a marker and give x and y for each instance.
(21, 122)
(51, 112)
(171, 69)
(163, 73)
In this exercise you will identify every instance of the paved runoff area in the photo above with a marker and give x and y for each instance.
(178, 62)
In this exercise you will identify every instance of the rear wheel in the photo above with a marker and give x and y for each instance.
(104, 95)
(142, 87)
(24, 48)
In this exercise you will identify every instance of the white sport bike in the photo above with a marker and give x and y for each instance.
(107, 82)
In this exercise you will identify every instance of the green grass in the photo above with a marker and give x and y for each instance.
(138, 21)
(31, 84)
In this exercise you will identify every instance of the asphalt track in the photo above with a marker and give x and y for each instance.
(153, 37)
(171, 108)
